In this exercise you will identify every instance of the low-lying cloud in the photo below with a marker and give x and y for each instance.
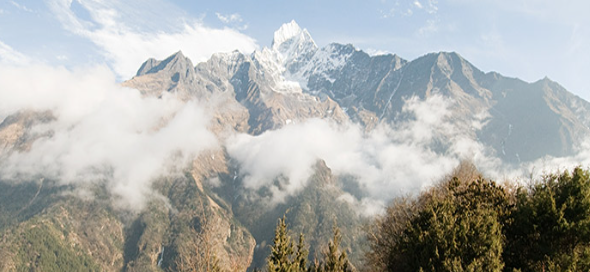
(389, 160)
(101, 132)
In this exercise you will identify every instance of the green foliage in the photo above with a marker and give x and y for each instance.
(551, 226)
(334, 260)
(283, 257)
(281, 250)
(386, 232)
(456, 226)
(301, 255)
(20, 202)
(310, 212)
(43, 251)
(459, 231)
(476, 225)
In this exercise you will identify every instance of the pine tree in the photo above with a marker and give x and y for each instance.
(315, 267)
(282, 250)
(283, 257)
(301, 255)
(334, 260)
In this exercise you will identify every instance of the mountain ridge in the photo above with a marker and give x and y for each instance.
(252, 95)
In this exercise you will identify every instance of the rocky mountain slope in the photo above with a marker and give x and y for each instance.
(208, 212)
(295, 80)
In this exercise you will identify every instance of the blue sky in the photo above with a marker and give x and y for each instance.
(529, 39)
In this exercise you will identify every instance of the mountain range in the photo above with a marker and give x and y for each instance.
(215, 207)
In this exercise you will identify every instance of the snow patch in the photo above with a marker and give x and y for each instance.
(322, 63)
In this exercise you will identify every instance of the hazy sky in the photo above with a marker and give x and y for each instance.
(529, 39)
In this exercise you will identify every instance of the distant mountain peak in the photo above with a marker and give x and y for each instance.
(291, 41)
(175, 63)
(285, 32)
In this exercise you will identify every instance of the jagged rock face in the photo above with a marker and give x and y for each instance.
(175, 73)
(295, 80)
(241, 86)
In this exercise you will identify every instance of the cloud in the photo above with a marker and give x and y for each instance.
(387, 161)
(429, 28)
(418, 4)
(376, 52)
(114, 29)
(432, 7)
(21, 7)
(234, 20)
(230, 18)
(102, 133)
(12, 57)
(550, 164)
(409, 8)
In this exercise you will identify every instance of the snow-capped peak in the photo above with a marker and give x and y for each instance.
(286, 32)
(291, 41)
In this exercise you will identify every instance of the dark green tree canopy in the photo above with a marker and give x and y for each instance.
(468, 223)
(550, 228)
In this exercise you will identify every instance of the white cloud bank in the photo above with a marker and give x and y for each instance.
(113, 28)
(102, 132)
(388, 161)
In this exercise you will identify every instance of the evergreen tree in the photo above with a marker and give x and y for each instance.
(456, 233)
(335, 261)
(282, 249)
(478, 226)
(283, 258)
(550, 228)
(315, 267)
(301, 255)
(455, 226)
